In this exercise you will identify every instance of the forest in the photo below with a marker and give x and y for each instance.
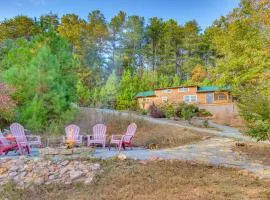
(50, 64)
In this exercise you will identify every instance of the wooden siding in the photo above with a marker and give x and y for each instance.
(175, 96)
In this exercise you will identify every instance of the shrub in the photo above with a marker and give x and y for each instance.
(204, 113)
(186, 111)
(155, 112)
(168, 110)
(7, 105)
(144, 112)
(178, 110)
(206, 123)
(255, 109)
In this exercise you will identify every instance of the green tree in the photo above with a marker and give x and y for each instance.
(16, 27)
(71, 28)
(154, 32)
(109, 91)
(243, 63)
(116, 27)
(41, 70)
(94, 43)
(128, 88)
(133, 42)
(49, 22)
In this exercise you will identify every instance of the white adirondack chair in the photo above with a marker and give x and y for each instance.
(99, 135)
(72, 134)
(125, 139)
(17, 131)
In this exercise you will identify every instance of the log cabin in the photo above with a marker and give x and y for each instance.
(205, 95)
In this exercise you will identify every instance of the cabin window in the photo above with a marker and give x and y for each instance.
(164, 99)
(220, 96)
(167, 91)
(190, 98)
(183, 89)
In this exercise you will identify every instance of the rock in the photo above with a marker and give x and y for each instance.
(63, 170)
(14, 168)
(16, 178)
(3, 170)
(122, 156)
(240, 144)
(153, 158)
(39, 181)
(143, 162)
(66, 151)
(23, 174)
(83, 150)
(75, 174)
(88, 180)
(64, 163)
(95, 166)
(206, 137)
(12, 174)
(51, 177)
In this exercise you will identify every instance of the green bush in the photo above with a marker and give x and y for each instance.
(204, 113)
(7, 105)
(206, 123)
(168, 109)
(144, 112)
(255, 109)
(186, 111)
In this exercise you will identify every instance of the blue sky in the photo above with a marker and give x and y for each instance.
(204, 11)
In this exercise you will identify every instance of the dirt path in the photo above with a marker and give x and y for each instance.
(216, 150)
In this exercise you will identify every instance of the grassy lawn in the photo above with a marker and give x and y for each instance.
(153, 180)
(255, 151)
(147, 132)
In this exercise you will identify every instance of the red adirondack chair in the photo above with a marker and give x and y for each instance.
(99, 135)
(5, 145)
(72, 134)
(125, 139)
(17, 131)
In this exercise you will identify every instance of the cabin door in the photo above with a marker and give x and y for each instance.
(209, 98)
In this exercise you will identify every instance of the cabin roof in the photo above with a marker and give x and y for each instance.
(175, 87)
(149, 93)
(213, 88)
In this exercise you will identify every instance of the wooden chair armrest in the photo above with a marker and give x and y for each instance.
(116, 137)
(34, 136)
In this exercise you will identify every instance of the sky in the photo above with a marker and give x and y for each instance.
(203, 11)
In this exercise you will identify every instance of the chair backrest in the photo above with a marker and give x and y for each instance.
(131, 130)
(99, 131)
(3, 140)
(72, 132)
(17, 131)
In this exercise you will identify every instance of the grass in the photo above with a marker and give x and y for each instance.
(255, 151)
(157, 180)
(147, 132)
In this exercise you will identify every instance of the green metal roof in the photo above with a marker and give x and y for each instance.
(145, 94)
(213, 88)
